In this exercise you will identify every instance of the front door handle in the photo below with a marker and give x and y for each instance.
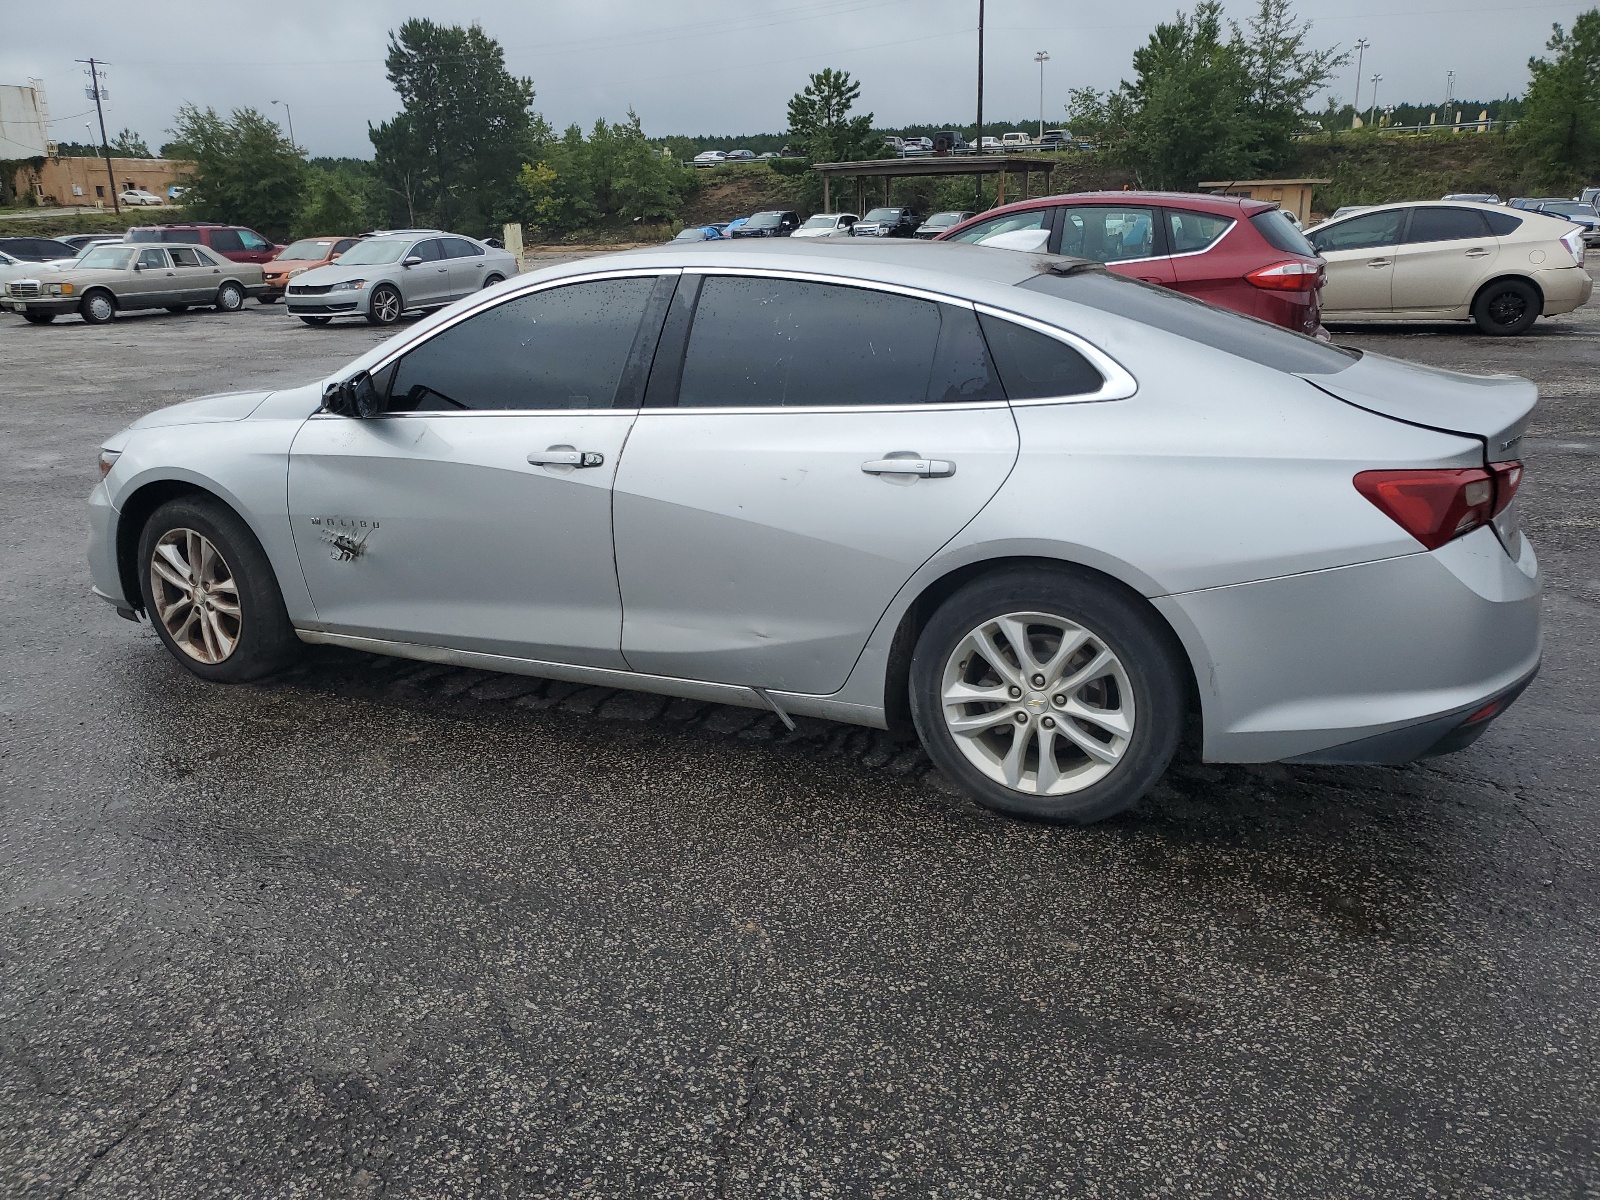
(1477, 252)
(1379, 262)
(907, 463)
(566, 456)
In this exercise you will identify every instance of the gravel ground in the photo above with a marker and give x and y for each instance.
(382, 928)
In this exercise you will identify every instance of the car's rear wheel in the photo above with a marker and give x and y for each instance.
(1048, 694)
(1507, 307)
(210, 592)
(230, 297)
(177, 308)
(38, 318)
(97, 307)
(493, 279)
(386, 305)
(315, 320)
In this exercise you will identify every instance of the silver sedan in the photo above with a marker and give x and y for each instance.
(1049, 517)
(382, 278)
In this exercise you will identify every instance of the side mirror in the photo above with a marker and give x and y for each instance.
(414, 260)
(353, 397)
(138, 266)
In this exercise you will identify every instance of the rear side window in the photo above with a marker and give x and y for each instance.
(186, 256)
(1189, 232)
(1281, 233)
(781, 343)
(190, 236)
(1439, 224)
(226, 241)
(1164, 309)
(1033, 366)
(563, 348)
(1502, 223)
(461, 248)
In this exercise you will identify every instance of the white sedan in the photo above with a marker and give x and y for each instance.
(139, 196)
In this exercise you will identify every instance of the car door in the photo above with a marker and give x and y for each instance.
(152, 283)
(197, 279)
(803, 450)
(1126, 237)
(426, 284)
(255, 248)
(1195, 271)
(1359, 252)
(1443, 255)
(464, 263)
(475, 513)
(225, 242)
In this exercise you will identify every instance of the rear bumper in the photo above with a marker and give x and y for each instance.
(1564, 288)
(1315, 663)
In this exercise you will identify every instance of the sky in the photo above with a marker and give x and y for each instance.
(714, 66)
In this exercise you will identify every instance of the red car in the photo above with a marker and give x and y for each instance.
(231, 241)
(1246, 255)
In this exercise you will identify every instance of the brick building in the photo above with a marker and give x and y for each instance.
(83, 180)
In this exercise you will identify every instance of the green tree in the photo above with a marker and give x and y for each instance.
(246, 171)
(1282, 74)
(820, 123)
(332, 206)
(451, 157)
(129, 144)
(616, 174)
(1560, 123)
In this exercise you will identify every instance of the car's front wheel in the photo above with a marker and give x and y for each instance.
(38, 318)
(386, 305)
(1048, 694)
(230, 297)
(177, 308)
(211, 594)
(266, 298)
(98, 307)
(311, 320)
(1507, 307)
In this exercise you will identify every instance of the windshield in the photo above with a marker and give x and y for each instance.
(884, 214)
(1231, 332)
(1569, 208)
(766, 220)
(696, 234)
(105, 258)
(821, 222)
(310, 248)
(373, 252)
(945, 218)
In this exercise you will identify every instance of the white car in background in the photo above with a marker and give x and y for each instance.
(826, 225)
(139, 196)
(1500, 268)
(14, 268)
(710, 158)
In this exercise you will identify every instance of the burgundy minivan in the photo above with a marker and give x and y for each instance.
(231, 241)
(1242, 254)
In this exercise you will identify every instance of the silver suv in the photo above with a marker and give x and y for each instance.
(384, 277)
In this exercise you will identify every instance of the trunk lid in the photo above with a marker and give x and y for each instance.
(1495, 409)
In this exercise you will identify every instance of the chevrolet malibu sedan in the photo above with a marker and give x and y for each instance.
(112, 278)
(1048, 517)
(382, 278)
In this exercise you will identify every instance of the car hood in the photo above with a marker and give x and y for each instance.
(338, 273)
(289, 264)
(226, 406)
(1493, 408)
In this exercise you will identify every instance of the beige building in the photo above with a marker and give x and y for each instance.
(83, 180)
(1292, 195)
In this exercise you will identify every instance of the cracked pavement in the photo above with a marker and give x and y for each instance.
(379, 927)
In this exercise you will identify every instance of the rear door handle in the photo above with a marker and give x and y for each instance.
(566, 456)
(909, 464)
(1477, 252)
(1379, 262)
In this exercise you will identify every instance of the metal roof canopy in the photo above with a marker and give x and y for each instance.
(890, 169)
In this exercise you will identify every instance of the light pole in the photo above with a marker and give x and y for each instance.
(1373, 115)
(1041, 57)
(1355, 103)
(290, 116)
(1449, 95)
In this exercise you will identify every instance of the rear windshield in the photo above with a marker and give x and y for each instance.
(1281, 233)
(1231, 332)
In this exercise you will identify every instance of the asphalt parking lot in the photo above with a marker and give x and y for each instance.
(382, 928)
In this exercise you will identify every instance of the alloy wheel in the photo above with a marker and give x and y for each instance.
(386, 306)
(196, 596)
(1038, 703)
(1507, 307)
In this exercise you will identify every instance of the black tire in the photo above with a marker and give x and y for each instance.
(315, 320)
(386, 306)
(267, 298)
(1507, 307)
(1119, 621)
(98, 307)
(38, 318)
(266, 641)
(230, 297)
(177, 308)
(493, 279)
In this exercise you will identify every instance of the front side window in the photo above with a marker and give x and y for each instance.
(429, 251)
(1366, 232)
(1106, 234)
(152, 258)
(226, 241)
(781, 343)
(1033, 218)
(253, 242)
(562, 348)
(1191, 232)
(1446, 225)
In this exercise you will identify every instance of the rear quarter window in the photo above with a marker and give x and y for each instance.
(1171, 312)
(1281, 233)
(1502, 223)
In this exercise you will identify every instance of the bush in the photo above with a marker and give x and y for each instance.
(788, 166)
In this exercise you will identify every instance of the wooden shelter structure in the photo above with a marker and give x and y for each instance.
(1291, 195)
(933, 165)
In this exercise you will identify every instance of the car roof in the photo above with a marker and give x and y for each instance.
(1231, 206)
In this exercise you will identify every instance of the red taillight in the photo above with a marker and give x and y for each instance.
(1436, 506)
(1287, 277)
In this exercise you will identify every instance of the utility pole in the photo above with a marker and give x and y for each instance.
(1373, 115)
(978, 145)
(290, 115)
(1355, 103)
(105, 143)
(1041, 58)
(1449, 95)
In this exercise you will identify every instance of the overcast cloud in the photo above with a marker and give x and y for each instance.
(722, 66)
